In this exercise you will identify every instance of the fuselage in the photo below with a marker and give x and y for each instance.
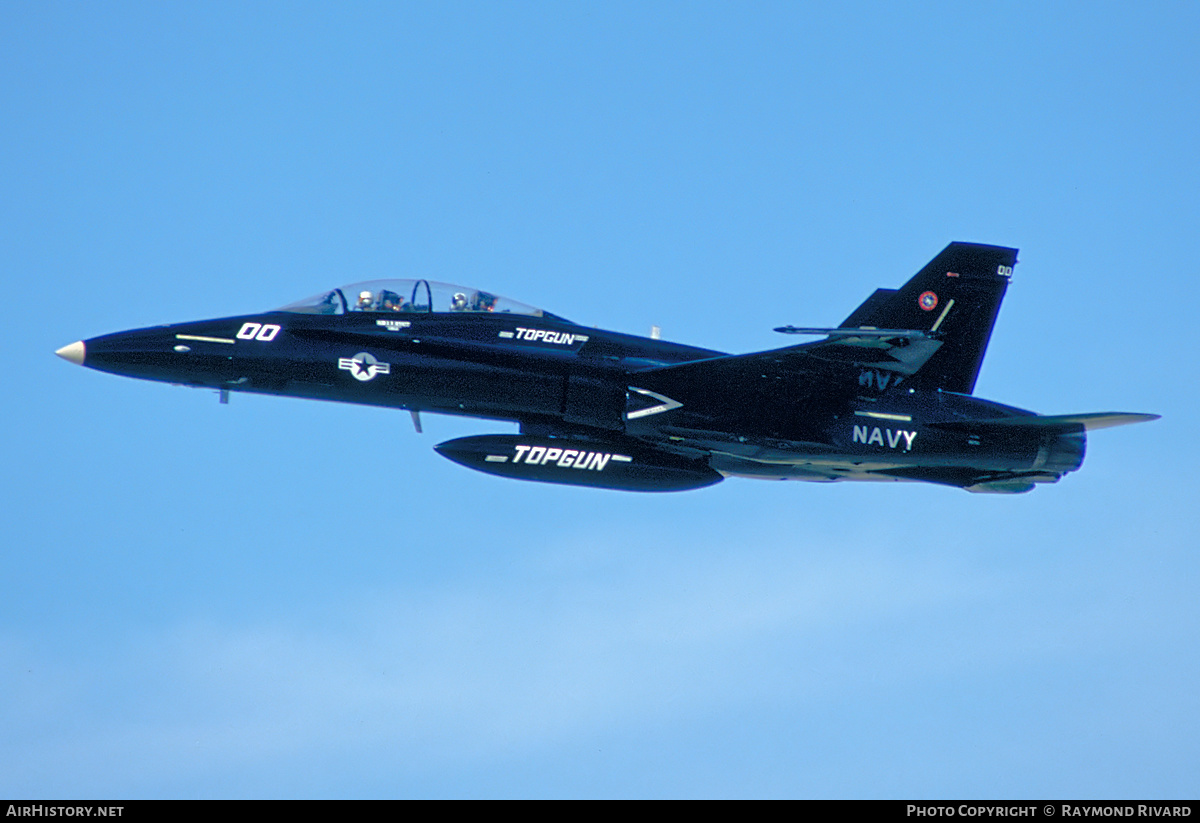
(589, 386)
(886, 396)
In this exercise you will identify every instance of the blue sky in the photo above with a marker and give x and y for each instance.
(278, 598)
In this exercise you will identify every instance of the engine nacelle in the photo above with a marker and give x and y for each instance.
(604, 464)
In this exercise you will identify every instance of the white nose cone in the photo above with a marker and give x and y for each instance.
(73, 353)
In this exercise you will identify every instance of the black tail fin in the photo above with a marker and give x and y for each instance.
(956, 297)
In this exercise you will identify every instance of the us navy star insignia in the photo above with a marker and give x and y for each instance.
(364, 366)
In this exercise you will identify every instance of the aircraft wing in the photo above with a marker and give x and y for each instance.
(845, 351)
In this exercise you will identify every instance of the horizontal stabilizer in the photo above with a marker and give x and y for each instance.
(1089, 422)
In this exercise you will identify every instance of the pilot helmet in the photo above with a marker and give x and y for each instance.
(459, 302)
(365, 299)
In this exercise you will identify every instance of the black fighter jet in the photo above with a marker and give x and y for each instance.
(884, 396)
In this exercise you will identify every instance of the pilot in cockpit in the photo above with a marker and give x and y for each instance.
(390, 301)
(483, 302)
(458, 302)
(365, 301)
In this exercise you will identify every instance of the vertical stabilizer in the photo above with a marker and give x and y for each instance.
(955, 297)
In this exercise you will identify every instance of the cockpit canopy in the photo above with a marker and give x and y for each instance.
(406, 296)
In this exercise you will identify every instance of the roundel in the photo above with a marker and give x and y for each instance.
(927, 301)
